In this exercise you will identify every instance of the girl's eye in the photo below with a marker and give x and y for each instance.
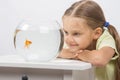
(76, 34)
(65, 32)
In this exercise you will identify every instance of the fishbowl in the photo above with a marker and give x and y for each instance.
(38, 40)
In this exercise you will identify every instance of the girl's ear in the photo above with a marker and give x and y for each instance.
(97, 33)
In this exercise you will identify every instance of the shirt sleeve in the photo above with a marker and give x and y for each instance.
(107, 40)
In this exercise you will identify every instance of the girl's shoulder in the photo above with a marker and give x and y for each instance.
(105, 40)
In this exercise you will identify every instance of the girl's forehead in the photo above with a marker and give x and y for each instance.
(74, 23)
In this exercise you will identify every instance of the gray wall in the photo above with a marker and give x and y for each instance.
(13, 11)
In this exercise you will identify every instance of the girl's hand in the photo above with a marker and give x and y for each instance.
(66, 53)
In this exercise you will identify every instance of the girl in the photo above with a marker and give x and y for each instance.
(91, 39)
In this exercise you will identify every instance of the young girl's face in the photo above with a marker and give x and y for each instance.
(78, 35)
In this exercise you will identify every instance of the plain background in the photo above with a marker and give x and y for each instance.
(14, 11)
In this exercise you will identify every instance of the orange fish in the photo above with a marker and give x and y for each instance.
(27, 43)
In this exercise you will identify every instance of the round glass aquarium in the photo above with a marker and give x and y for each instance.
(38, 40)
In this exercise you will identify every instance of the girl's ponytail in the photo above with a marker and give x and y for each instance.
(116, 36)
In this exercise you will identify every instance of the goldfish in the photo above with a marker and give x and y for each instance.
(27, 43)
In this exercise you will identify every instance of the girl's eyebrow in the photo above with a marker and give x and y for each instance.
(76, 30)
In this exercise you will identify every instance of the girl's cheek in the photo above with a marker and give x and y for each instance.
(77, 40)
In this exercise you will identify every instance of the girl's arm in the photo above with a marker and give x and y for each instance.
(97, 57)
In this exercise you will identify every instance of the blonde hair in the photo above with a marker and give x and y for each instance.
(93, 14)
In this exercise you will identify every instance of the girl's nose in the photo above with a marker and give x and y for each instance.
(69, 39)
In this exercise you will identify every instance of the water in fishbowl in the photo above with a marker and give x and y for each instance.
(38, 42)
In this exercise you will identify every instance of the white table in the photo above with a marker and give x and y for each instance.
(13, 67)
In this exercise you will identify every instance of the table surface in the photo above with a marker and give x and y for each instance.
(58, 63)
